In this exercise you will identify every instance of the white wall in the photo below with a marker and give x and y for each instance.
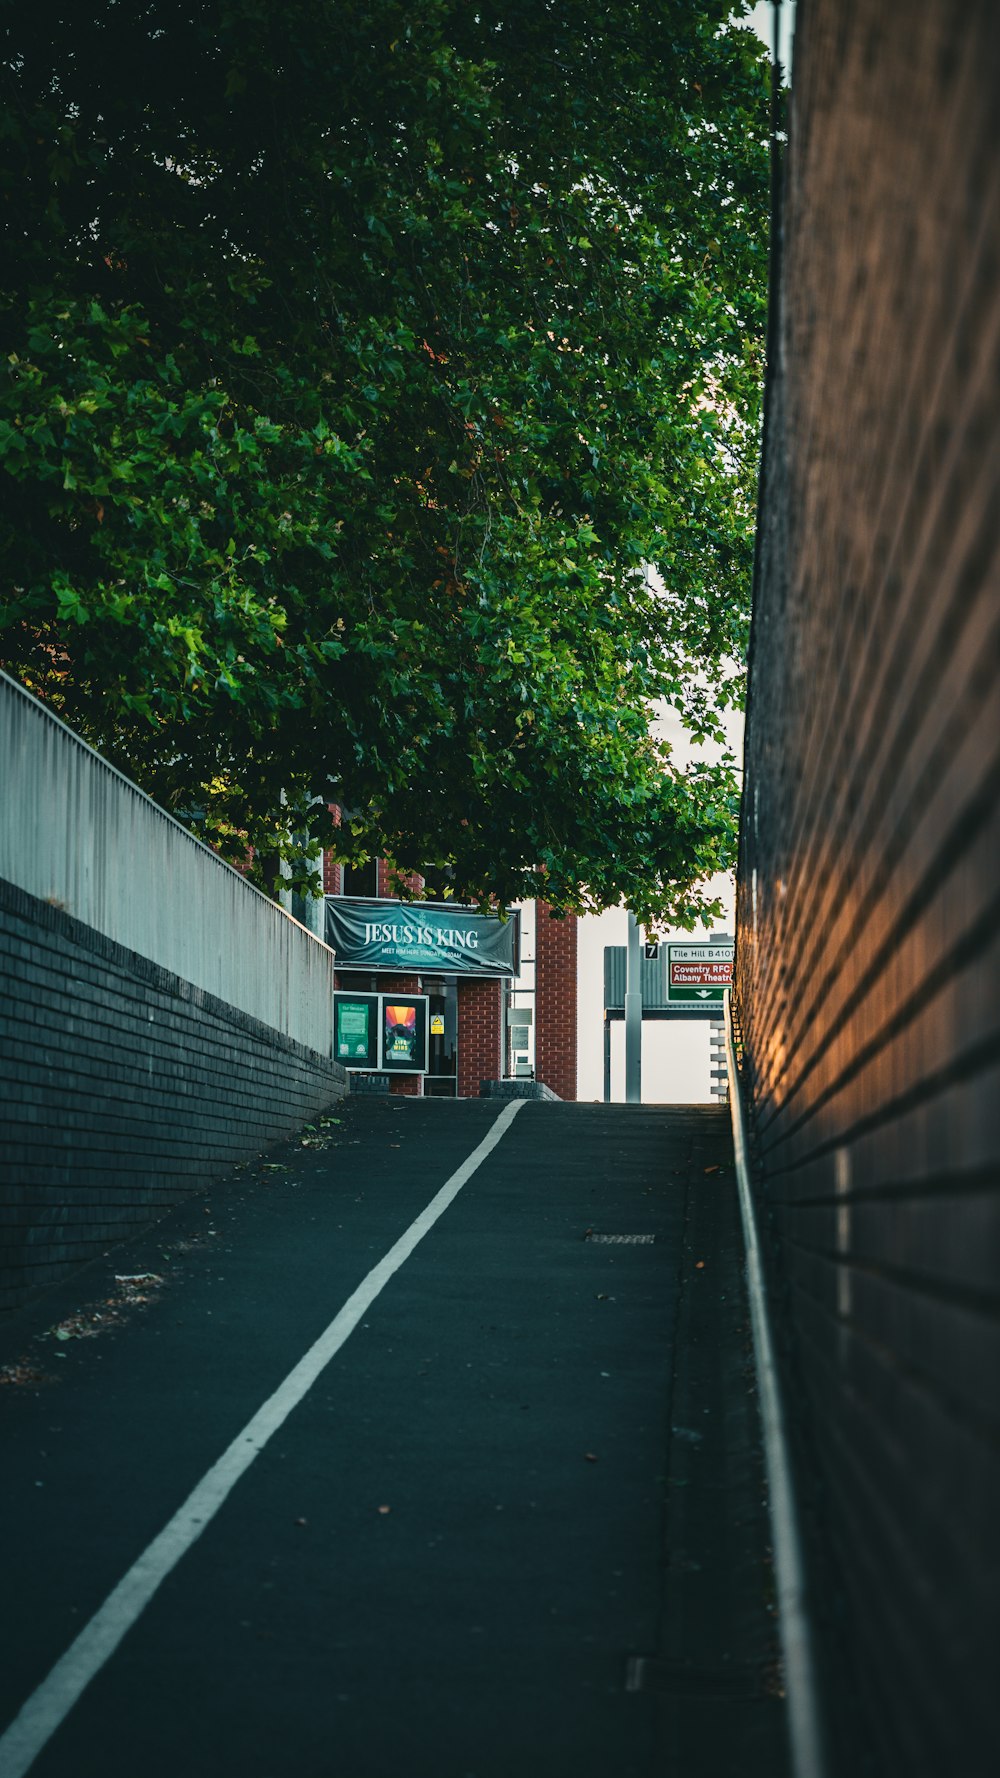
(75, 832)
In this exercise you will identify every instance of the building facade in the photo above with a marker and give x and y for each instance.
(467, 1015)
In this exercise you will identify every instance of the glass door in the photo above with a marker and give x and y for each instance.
(441, 1080)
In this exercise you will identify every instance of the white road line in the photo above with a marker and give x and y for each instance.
(47, 1707)
(805, 1720)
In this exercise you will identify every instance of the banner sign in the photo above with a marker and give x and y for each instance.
(698, 973)
(421, 935)
(356, 1030)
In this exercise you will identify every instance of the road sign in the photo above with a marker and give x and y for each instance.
(698, 974)
(651, 950)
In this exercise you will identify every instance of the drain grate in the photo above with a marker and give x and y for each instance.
(621, 1240)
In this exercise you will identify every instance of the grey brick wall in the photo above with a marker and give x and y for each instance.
(868, 960)
(122, 1088)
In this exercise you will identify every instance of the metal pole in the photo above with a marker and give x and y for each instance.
(607, 1060)
(633, 1016)
(804, 1710)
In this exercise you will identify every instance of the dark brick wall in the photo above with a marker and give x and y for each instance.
(555, 1001)
(123, 1089)
(868, 963)
(480, 1035)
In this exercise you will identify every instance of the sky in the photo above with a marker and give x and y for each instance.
(761, 17)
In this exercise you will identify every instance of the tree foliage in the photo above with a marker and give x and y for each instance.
(359, 358)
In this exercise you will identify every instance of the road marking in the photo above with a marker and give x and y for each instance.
(621, 1240)
(52, 1701)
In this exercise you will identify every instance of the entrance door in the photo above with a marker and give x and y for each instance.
(441, 1079)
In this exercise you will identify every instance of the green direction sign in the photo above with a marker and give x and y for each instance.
(698, 975)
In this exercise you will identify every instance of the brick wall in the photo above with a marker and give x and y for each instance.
(125, 1088)
(868, 960)
(385, 885)
(333, 873)
(480, 1035)
(555, 1001)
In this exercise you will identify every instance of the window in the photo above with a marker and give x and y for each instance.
(361, 879)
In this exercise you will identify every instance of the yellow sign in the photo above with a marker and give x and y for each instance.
(437, 1024)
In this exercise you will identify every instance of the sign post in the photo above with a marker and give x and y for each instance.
(633, 1016)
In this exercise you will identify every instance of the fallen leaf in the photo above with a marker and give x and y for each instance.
(589, 1457)
(713, 1169)
(699, 1265)
(385, 1509)
(25, 1374)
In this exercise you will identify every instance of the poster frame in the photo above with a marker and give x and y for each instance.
(401, 999)
(375, 1002)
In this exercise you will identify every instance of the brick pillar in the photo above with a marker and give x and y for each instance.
(555, 1001)
(385, 888)
(480, 1035)
(333, 873)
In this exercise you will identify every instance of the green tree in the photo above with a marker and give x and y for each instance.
(359, 358)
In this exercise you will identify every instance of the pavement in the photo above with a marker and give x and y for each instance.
(515, 1528)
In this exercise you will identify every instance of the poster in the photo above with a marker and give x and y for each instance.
(404, 1033)
(356, 1030)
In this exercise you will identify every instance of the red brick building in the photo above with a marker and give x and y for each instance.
(555, 1000)
(468, 1015)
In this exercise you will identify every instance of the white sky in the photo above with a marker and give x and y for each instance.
(761, 17)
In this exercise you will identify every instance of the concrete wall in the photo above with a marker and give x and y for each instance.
(868, 961)
(160, 1020)
(77, 834)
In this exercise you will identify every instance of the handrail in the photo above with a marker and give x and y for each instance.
(805, 1730)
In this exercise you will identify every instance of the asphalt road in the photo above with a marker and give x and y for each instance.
(515, 1528)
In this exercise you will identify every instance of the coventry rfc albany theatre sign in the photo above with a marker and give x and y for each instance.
(421, 936)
